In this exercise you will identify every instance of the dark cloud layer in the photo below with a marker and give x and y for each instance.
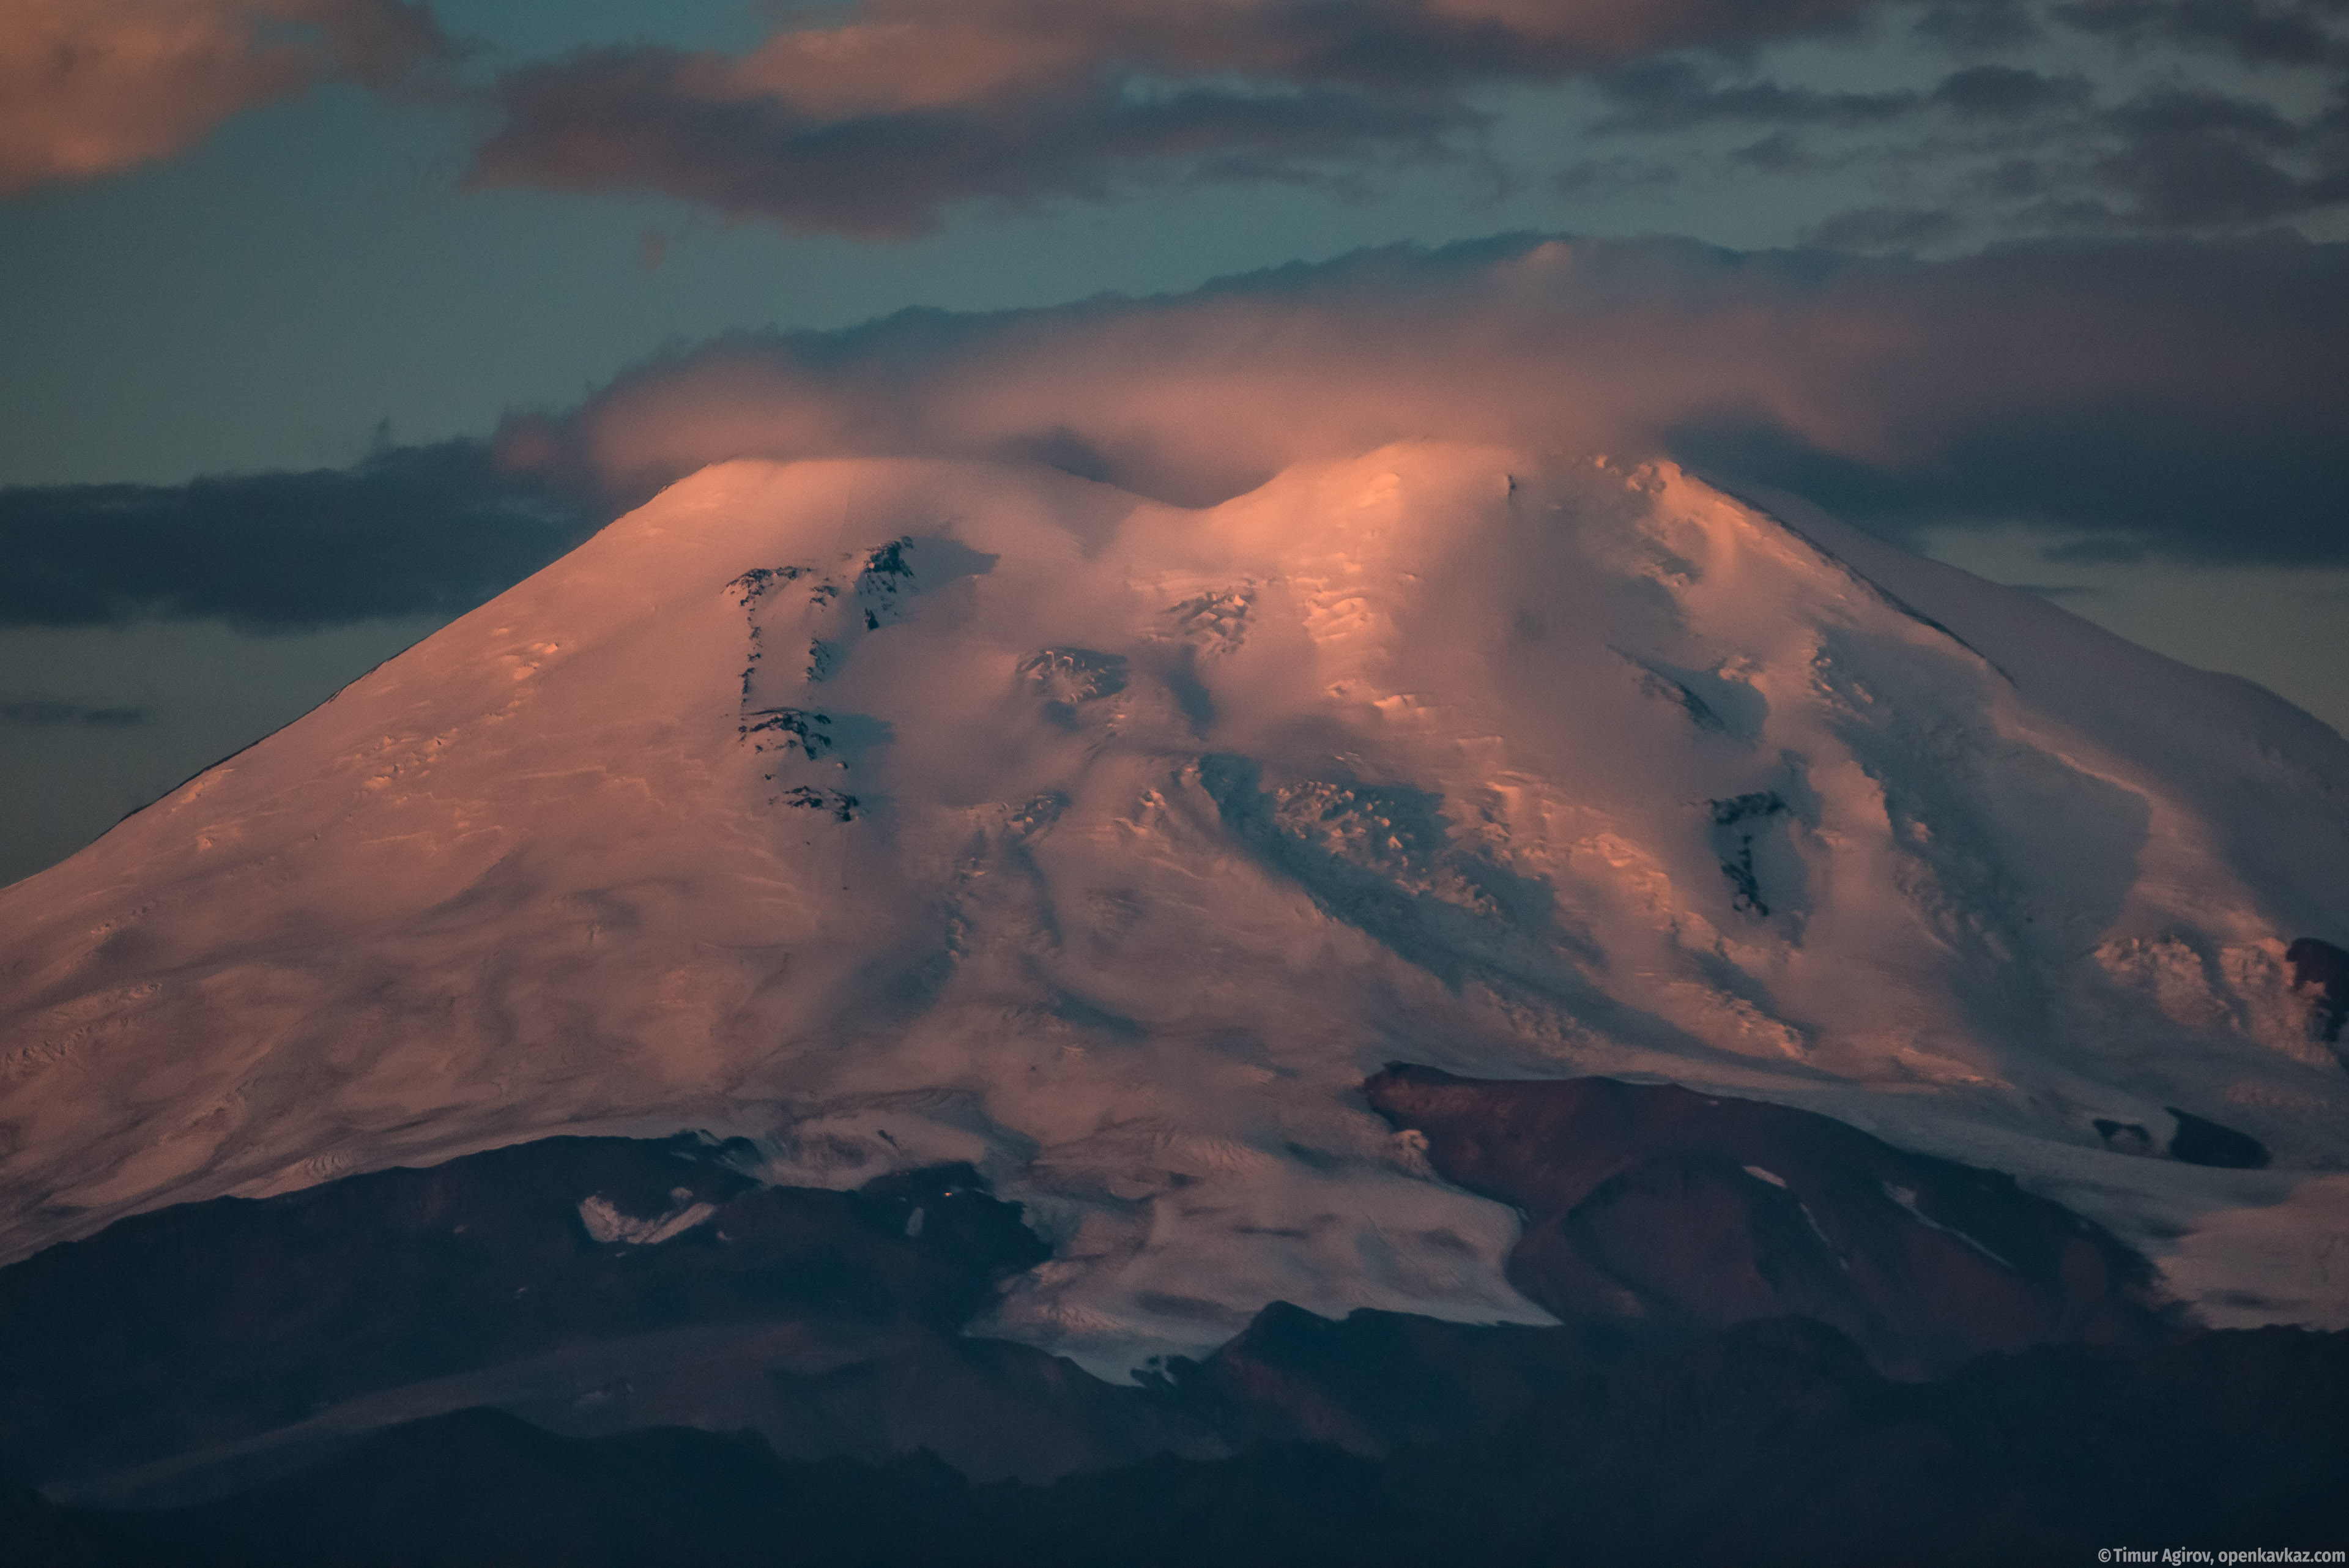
(1675, 94)
(2137, 477)
(2254, 31)
(421, 529)
(618, 120)
(2200, 160)
(890, 115)
(2010, 149)
(884, 120)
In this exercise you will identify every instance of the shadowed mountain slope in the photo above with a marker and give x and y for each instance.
(594, 1285)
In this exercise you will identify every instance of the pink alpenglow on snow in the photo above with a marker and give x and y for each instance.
(893, 812)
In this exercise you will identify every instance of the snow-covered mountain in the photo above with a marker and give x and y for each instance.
(894, 813)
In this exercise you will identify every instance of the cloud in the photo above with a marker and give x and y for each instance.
(880, 122)
(2203, 160)
(414, 530)
(2003, 149)
(1884, 228)
(94, 86)
(1979, 24)
(2106, 552)
(40, 712)
(2179, 396)
(1675, 93)
(885, 119)
(2256, 33)
(2009, 92)
(621, 119)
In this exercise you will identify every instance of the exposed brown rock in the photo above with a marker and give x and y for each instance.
(2320, 968)
(1656, 1206)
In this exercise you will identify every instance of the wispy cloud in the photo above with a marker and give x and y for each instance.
(886, 120)
(2194, 160)
(94, 86)
(2258, 32)
(43, 713)
(891, 115)
(879, 123)
(2005, 149)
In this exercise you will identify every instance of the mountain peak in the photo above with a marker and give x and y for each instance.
(893, 812)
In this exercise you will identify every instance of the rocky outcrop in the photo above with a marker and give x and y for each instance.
(1662, 1209)
(2199, 1140)
(2320, 970)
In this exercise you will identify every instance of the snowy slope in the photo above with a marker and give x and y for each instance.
(889, 811)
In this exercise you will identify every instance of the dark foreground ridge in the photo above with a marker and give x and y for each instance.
(1780, 1340)
(591, 1285)
(1766, 1444)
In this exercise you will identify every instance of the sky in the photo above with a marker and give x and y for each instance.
(324, 320)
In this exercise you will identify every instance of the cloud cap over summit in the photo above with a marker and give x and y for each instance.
(2176, 396)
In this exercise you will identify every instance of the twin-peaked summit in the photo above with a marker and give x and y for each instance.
(893, 812)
